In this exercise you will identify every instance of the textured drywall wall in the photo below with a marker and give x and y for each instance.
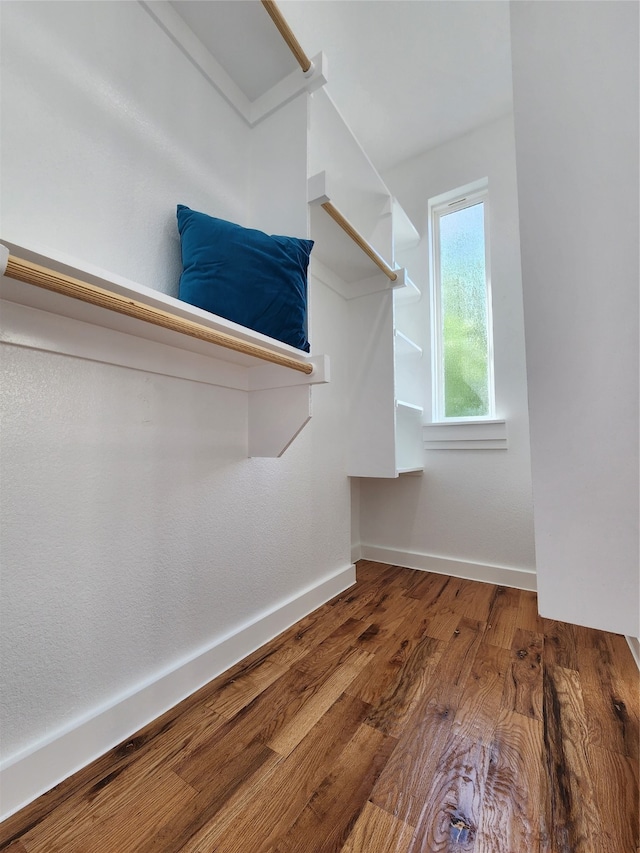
(135, 532)
(472, 505)
(575, 75)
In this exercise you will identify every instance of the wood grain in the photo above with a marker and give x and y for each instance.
(290, 735)
(335, 649)
(610, 707)
(240, 691)
(398, 673)
(503, 613)
(414, 712)
(405, 781)
(511, 819)
(483, 595)
(450, 812)
(393, 704)
(615, 779)
(335, 805)
(523, 685)
(528, 617)
(560, 644)
(377, 830)
(481, 700)
(108, 818)
(176, 730)
(256, 819)
(432, 591)
(571, 816)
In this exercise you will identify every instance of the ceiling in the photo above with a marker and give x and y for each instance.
(407, 75)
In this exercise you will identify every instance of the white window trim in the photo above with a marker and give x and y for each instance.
(477, 434)
(449, 202)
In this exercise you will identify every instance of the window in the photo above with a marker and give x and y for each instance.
(462, 343)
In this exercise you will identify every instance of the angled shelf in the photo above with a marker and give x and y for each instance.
(409, 407)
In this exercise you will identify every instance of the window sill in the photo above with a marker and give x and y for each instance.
(466, 435)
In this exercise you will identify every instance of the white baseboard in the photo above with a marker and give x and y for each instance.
(356, 552)
(501, 575)
(634, 645)
(35, 770)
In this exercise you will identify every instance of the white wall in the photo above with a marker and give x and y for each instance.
(136, 534)
(97, 104)
(575, 73)
(470, 505)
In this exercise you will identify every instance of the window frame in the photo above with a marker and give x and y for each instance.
(438, 206)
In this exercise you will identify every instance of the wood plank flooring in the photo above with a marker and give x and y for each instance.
(414, 713)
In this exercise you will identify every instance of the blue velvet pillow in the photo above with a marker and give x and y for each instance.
(244, 275)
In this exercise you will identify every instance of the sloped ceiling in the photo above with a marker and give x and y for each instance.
(242, 38)
(407, 75)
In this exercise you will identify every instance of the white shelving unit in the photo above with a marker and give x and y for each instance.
(315, 159)
(408, 352)
(304, 156)
(385, 418)
(408, 383)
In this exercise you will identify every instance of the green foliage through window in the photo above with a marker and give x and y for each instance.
(464, 313)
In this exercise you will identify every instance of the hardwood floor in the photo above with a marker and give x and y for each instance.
(415, 713)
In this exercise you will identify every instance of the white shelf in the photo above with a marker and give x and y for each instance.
(405, 346)
(37, 318)
(36, 297)
(412, 407)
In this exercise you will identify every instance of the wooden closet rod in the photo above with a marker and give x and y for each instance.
(60, 283)
(344, 223)
(287, 34)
